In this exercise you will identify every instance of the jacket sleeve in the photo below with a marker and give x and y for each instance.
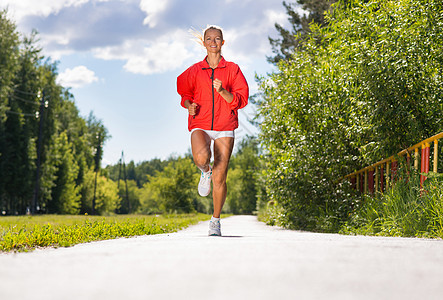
(240, 89)
(185, 86)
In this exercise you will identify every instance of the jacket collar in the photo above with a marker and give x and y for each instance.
(204, 64)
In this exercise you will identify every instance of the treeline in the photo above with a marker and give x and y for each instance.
(360, 86)
(48, 152)
(50, 155)
(170, 185)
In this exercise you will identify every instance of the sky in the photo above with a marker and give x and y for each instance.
(121, 58)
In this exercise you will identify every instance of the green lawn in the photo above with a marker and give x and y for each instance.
(24, 233)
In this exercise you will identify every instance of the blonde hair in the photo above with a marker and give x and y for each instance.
(199, 36)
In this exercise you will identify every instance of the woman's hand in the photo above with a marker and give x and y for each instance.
(192, 108)
(218, 86)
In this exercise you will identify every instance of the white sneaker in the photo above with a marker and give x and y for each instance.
(204, 186)
(214, 228)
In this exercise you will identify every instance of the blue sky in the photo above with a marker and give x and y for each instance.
(121, 60)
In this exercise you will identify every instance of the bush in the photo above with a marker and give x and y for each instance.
(360, 89)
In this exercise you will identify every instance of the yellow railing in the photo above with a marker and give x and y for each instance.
(371, 178)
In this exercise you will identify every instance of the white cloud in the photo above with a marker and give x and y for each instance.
(20, 9)
(159, 58)
(273, 17)
(152, 8)
(161, 55)
(46, 40)
(230, 51)
(76, 77)
(149, 36)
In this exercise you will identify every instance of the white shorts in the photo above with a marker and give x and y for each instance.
(216, 134)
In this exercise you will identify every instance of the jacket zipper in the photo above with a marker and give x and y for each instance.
(213, 95)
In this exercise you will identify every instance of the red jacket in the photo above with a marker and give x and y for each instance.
(213, 113)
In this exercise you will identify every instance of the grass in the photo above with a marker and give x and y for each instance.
(25, 233)
(404, 210)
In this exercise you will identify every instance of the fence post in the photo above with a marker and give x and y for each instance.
(353, 182)
(362, 182)
(424, 162)
(371, 181)
(377, 176)
(381, 178)
(365, 186)
(394, 168)
(408, 166)
(387, 174)
(387, 170)
(416, 159)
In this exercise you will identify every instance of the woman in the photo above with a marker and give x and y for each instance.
(212, 91)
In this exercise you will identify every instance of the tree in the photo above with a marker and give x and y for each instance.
(40, 127)
(65, 197)
(138, 172)
(9, 41)
(107, 196)
(177, 194)
(359, 90)
(292, 39)
(149, 200)
(130, 199)
(107, 200)
(174, 188)
(242, 178)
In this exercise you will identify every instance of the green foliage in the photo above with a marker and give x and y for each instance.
(395, 47)
(149, 202)
(405, 209)
(107, 198)
(360, 89)
(131, 199)
(35, 110)
(168, 186)
(16, 142)
(171, 185)
(65, 196)
(243, 171)
(27, 233)
(139, 172)
(9, 41)
(293, 39)
(175, 186)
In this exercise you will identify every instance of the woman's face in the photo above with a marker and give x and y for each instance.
(213, 40)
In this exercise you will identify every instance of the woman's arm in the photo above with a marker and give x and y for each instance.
(185, 86)
(239, 89)
(192, 107)
(218, 86)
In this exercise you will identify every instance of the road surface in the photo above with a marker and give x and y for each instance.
(251, 261)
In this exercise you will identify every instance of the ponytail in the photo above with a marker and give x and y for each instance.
(199, 36)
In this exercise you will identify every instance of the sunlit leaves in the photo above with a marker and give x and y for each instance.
(364, 87)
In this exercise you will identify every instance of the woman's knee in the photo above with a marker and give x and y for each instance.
(219, 176)
(218, 182)
(201, 151)
(202, 159)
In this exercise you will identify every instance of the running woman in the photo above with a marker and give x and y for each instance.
(212, 91)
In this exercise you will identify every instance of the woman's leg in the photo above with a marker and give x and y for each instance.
(222, 153)
(201, 149)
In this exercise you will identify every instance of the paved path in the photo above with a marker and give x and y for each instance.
(252, 261)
